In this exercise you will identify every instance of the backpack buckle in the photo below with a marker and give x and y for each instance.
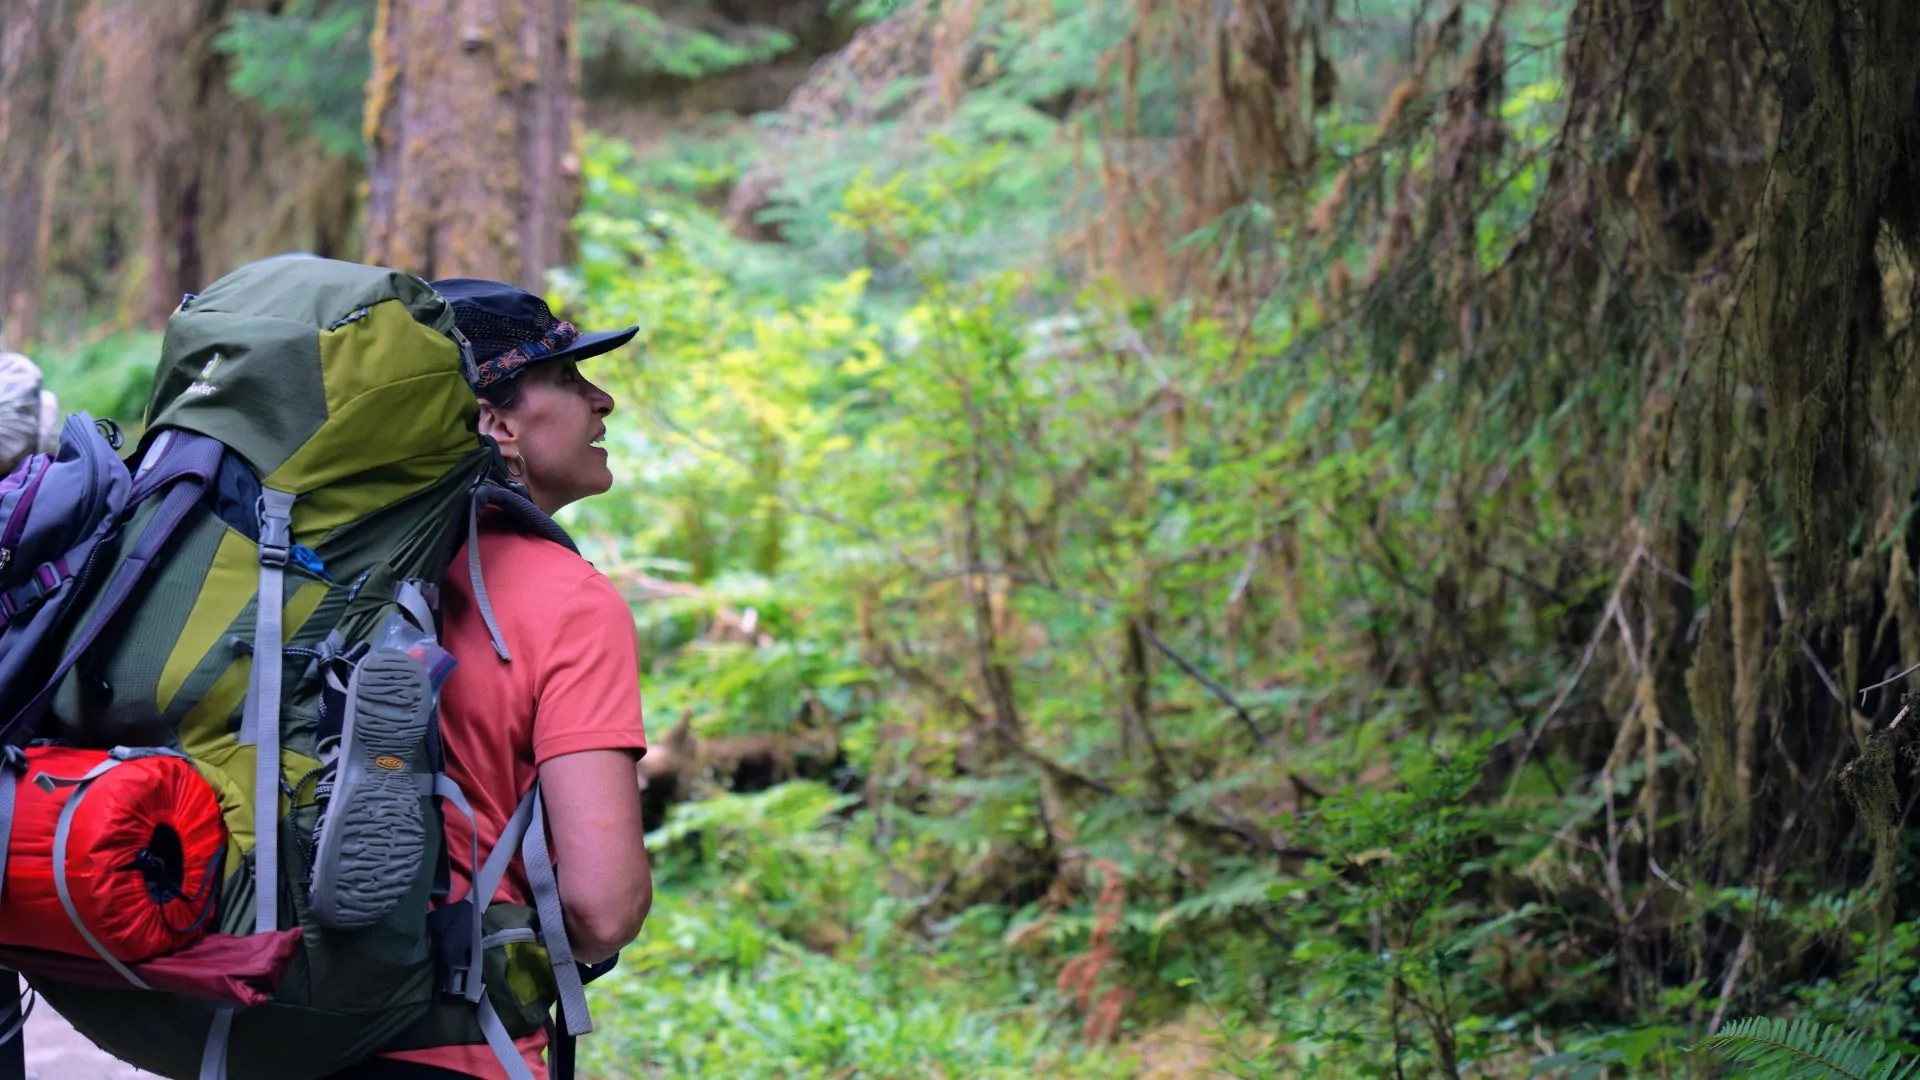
(22, 599)
(276, 535)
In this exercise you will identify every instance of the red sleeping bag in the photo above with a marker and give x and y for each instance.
(143, 855)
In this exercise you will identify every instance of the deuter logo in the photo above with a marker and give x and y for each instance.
(203, 386)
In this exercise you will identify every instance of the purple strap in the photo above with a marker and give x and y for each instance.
(188, 486)
(151, 475)
(48, 576)
(17, 522)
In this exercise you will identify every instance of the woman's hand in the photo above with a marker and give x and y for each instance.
(599, 848)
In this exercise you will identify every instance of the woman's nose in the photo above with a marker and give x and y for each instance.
(602, 402)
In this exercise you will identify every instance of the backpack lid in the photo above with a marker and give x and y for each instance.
(314, 370)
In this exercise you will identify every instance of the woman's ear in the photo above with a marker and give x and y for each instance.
(497, 425)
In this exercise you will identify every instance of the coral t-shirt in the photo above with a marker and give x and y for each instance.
(573, 684)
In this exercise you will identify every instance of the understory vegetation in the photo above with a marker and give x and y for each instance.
(1265, 539)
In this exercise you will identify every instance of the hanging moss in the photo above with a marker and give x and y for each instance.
(1869, 783)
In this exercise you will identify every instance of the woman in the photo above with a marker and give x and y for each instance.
(566, 707)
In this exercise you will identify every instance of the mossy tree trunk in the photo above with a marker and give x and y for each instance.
(175, 139)
(472, 165)
(33, 36)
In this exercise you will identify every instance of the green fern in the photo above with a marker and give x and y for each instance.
(1804, 1050)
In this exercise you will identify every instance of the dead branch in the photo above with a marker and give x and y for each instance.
(1218, 691)
(1608, 617)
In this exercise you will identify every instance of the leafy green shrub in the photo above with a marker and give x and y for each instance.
(637, 39)
(1774, 1049)
(308, 61)
(773, 951)
(108, 377)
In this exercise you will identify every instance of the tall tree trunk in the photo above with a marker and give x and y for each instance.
(470, 137)
(174, 128)
(33, 38)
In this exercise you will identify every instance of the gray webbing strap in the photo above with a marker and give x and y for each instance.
(13, 761)
(20, 1009)
(442, 785)
(213, 1059)
(260, 723)
(479, 580)
(501, 1043)
(487, 881)
(81, 786)
(411, 595)
(553, 922)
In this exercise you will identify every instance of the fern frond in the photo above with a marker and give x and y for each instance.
(1776, 1049)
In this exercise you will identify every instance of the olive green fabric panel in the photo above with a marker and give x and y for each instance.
(215, 667)
(109, 698)
(400, 415)
(242, 361)
(519, 980)
(165, 1033)
(232, 576)
(250, 380)
(227, 765)
(329, 508)
(352, 970)
(215, 716)
(410, 539)
(412, 534)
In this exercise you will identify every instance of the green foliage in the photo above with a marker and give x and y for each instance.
(308, 62)
(1594, 1056)
(1774, 1049)
(774, 951)
(834, 455)
(1879, 991)
(1241, 662)
(107, 377)
(1397, 965)
(638, 39)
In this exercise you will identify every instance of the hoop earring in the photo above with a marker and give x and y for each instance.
(522, 459)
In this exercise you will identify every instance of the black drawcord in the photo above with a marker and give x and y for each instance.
(163, 892)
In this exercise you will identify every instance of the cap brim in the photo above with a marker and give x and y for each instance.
(589, 345)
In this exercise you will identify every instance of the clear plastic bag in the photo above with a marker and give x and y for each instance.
(398, 632)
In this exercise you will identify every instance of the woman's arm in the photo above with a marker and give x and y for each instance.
(599, 847)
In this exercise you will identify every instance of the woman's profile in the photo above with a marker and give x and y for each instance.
(554, 696)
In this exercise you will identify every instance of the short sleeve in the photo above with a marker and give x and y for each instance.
(588, 688)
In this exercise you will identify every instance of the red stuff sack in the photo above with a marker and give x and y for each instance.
(144, 845)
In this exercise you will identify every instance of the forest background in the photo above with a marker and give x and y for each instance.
(1188, 538)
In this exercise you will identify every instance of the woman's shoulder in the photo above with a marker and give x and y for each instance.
(544, 568)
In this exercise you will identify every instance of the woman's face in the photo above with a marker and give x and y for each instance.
(554, 429)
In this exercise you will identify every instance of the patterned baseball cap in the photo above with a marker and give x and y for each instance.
(511, 328)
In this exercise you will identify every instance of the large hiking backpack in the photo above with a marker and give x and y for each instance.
(309, 462)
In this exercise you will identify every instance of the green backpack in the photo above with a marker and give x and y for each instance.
(309, 464)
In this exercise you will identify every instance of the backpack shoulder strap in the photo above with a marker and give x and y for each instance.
(177, 474)
(526, 516)
(525, 835)
(523, 513)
